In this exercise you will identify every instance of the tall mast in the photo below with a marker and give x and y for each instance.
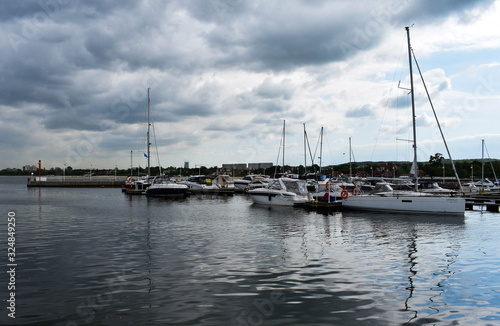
(413, 111)
(149, 143)
(350, 165)
(482, 167)
(305, 152)
(321, 150)
(283, 146)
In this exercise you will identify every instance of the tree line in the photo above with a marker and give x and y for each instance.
(436, 167)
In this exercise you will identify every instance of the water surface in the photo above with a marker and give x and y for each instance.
(99, 257)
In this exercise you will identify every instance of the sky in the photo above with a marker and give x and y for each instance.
(224, 75)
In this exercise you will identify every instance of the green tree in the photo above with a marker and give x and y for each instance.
(435, 160)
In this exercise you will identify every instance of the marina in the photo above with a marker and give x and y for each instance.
(489, 201)
(237, 163)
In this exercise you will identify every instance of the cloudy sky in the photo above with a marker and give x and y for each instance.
(225, 74)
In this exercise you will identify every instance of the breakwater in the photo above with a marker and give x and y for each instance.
(77, 182)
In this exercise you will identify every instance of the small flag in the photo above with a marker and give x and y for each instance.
(145, 155)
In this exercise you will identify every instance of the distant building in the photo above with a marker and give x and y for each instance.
(30, 168)
(186, 165)
(256, 166)
(236, 166)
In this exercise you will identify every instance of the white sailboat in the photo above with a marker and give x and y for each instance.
(414, 202)
(141, 183)
(150, 185)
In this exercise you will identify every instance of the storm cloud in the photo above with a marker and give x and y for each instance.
(71, 67)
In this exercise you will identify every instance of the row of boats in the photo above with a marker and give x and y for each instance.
(361, 194)
(377, 194)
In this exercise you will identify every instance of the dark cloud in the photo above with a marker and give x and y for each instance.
(431, 10)
(282, 38)
(11, 10)
(86, 65)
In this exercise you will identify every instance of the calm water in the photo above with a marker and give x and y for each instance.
(99, 257)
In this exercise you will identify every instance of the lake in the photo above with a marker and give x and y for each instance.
(100, 257)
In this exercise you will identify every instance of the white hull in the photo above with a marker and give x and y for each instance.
(164, 187)
(198, 186)
(241, 184)
(273, 197)
(281, 192)
(411, 204)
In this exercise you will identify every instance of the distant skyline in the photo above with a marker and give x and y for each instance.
(225, 74)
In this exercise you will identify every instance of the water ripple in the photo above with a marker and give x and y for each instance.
(104, 258)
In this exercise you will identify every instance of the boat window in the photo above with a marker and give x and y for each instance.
(295, 187)
(274, 185)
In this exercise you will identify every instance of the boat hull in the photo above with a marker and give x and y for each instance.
(241, 184)
(417, 204)
(167, 191)
(265, 197)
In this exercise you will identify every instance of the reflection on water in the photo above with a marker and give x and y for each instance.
(102, 257)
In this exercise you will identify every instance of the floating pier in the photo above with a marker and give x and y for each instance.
(490, 201)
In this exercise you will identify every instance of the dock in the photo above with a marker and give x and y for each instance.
(315, 205)
(222, 191)
(490, 201)
(77, 182)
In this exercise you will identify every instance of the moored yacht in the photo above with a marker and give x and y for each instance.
(281, 192)
(432, 187)
(383, 198)
(138, 186)
(413, 202)
(257, 182)
(199, 182)
(242, 183)
(162, 186)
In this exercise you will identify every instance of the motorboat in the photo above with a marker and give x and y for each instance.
(162, 186)
(200, 182)
(242, 183)
(281, 192)
(224, 181)
(328, 188)
(432, 187)
(137, 186)
(257, 182)
(486, 185)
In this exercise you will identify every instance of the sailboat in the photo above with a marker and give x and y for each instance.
(139, 185)
(484, 184)
(281, 191)
(412, 202)
(161, 185)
